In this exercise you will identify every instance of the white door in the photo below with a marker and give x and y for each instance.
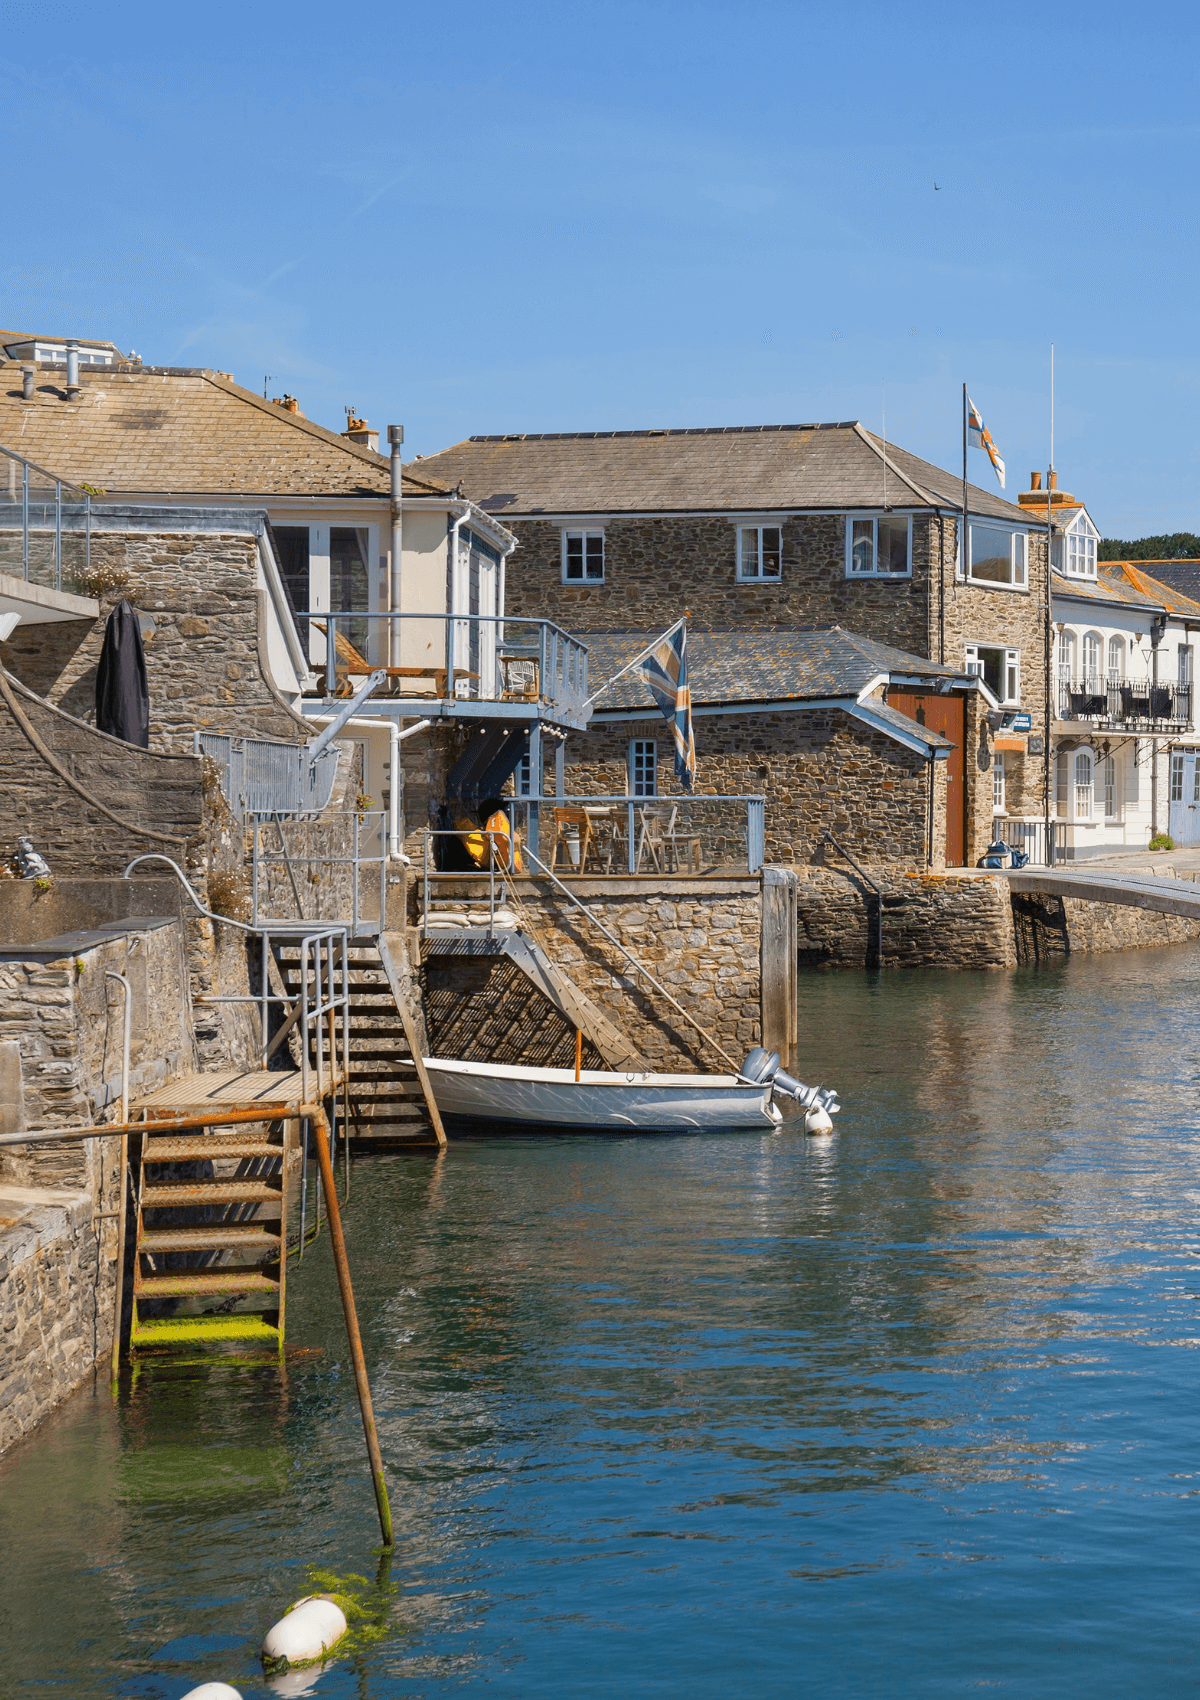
(1184, 819)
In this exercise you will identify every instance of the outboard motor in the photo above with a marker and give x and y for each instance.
(820, 1104)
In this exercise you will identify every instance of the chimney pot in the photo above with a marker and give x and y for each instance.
(72, 371)
(27, 375)
(1054, 480)
(1035, 480)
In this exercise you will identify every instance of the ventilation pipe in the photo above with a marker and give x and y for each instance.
(27, 377)
(72, 371)
(396, 440)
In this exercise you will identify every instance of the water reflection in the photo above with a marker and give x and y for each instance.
(909, 1410)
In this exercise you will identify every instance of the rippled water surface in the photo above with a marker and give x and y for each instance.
(907, 1412)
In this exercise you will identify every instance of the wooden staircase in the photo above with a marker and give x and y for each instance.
(389, 1103)
(211, 1238)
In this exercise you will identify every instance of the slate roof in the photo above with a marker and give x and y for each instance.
(1182, 578)
(734, 469)
(184, 431)
(1125, 583)
(747, 667)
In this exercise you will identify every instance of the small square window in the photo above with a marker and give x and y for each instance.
(880, 547)
(760, 551)
(1000, 670)
(583, 557)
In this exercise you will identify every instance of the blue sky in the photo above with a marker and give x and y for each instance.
(586, 217)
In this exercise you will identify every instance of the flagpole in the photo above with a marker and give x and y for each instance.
(964, 524)
(612, 679)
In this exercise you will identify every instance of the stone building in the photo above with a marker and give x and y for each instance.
(839, 733)
(804, 526)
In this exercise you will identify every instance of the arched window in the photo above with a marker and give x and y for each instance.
(1083, 785)
(1091, 658)
(1066, 655)
(1116, 660)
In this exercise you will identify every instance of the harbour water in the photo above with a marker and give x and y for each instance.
(910, 1411)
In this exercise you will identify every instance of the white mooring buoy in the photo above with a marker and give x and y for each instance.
(312, 1627)
(212, 1691)
(818, 1120)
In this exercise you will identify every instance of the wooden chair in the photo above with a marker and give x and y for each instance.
(572, 823)
(652, 836)
(345, 657)
(686, 842)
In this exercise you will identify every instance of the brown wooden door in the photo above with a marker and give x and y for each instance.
(947, 715)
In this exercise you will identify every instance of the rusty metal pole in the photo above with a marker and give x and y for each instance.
(321, 1131)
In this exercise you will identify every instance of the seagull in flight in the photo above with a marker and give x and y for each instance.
(937, 185)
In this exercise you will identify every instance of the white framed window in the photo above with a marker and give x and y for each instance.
(1066, 656)
(583, 557)
(997, 555)
(1177, 778)
(1185, 664)
(1116, 660)
(998, 783)
(643, 767)
(1091, 657)
(879, 546)
(1062, 785)
(759, 552)
(1075, 551)
(1000, 670)
(1083, 785)
(1108, 786)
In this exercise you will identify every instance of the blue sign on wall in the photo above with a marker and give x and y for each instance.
(1019, 722)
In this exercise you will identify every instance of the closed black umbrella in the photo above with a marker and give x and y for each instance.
(122, 699)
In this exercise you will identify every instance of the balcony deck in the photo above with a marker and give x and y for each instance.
(1119, 705)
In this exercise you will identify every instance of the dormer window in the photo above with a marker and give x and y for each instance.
(1075, 550)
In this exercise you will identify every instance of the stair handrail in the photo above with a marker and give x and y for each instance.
(735, 1067)
(227, 920)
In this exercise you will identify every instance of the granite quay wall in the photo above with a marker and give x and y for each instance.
(821, 771)
(1047, 927)
(57, 1296)
(929, 921)
(700, 937)
(206, 662)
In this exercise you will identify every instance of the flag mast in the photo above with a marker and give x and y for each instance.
(963, 540)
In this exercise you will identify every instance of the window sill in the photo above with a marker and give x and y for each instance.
(761, 579)
(886, 578)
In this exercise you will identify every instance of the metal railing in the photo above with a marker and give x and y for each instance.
(32, 502)
(336, 865)
(498, 862)
(1124, 702)
(262, 776)
(621, 834)
(1029, 837)
(463, 657)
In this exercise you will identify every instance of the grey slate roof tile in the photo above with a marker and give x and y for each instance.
(748, 667)
(752, 469)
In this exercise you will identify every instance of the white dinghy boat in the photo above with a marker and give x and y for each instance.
(504, 1097)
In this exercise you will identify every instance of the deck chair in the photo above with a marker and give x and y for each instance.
(570, 824)
(345, 656)
(682, 846)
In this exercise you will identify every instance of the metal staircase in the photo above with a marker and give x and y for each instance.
(211, 1238)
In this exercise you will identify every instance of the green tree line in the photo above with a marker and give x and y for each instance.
(1179, 546)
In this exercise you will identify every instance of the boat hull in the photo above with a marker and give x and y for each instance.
(496, 1095)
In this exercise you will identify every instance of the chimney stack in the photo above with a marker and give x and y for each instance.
(72, 371)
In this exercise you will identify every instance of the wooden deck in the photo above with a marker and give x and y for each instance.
(235, 1089)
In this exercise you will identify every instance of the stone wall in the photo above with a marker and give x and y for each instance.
(206, 662)
(929, 921)
(699, 937)
(425, 760)
(157, 798)
(57, 1294)
(820, 771)
(654, 568)
(1048, 927)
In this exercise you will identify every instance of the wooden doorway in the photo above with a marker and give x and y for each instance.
(947, 715)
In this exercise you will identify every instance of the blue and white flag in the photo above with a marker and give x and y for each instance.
(664, 672)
